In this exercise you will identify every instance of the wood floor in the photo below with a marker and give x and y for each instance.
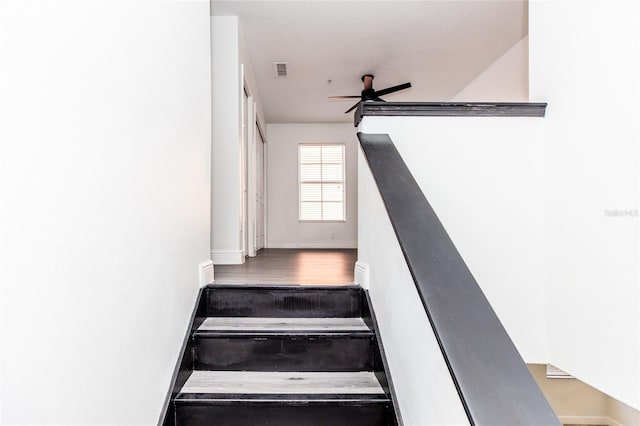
(291, 266)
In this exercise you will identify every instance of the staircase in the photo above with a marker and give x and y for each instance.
(282, 355)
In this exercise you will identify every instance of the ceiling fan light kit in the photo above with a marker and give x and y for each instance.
(369, 93)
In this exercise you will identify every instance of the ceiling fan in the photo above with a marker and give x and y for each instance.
(369, 93)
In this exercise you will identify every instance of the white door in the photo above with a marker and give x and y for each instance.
(260, 183)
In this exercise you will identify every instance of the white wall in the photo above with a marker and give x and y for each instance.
(231, 69)
(284, 229)
(589, 74)
(424, 388)
(545, 211)
(506, 80)
(622, 413)
(104, 188)
(249, 74)
(483, 177)
(226, 204)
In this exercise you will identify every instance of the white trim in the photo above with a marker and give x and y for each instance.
(245, 98)
(251, 178)
(266, 186)
(227, 257)
(205, 272)
(315, 245)
(361, 274)
(588, 420)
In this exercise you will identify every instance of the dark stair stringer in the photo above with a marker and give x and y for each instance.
(282, 355)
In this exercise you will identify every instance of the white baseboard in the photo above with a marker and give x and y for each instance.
(314, 245)
(227, 257)
(588, 420)
(361, 274)
(205, 270)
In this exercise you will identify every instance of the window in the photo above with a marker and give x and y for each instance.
(321, 177)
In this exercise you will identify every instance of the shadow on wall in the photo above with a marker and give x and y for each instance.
(577, 403)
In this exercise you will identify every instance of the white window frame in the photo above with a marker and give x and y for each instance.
(343, 182)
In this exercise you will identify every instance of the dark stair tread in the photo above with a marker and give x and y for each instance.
(280, 301)
(288, 413)
(286, 355)
(281, 386)
(258, 326)
(302, 287)
(284, 352)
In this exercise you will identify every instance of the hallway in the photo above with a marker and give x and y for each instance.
(292, 266)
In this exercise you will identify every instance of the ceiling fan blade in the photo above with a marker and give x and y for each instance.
(353, 107)
(367, 79)
(345, 97)
(392, 89)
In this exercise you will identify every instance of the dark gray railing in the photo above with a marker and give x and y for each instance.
(448, 109)
(494, 384)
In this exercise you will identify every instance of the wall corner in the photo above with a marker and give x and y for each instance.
(361, 274)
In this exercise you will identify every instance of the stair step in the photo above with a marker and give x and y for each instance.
(284, 399)
(284, 413)
(282, 355)
(257, 325)
(283, 301)
(269, 385)
(348, 346)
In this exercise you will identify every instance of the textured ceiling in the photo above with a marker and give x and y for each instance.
(439, 46)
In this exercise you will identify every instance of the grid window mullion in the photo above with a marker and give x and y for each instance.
(321, 199)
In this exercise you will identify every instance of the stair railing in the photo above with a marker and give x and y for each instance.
(492, 380)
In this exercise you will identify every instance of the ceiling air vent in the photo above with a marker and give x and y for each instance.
(280, 69)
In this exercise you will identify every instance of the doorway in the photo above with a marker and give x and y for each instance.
(254, 194)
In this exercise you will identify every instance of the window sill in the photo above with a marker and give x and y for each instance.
(322, 221)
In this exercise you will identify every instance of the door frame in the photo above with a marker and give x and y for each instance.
(254, 127)
(260, 138)
(250, 223)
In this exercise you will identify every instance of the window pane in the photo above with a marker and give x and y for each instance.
(332, 153)
(311, 192)
(310, 211)
(310, 173)
(310, 154)
(332, 192)
(332, 172)
(332, 211)
(322, 190)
